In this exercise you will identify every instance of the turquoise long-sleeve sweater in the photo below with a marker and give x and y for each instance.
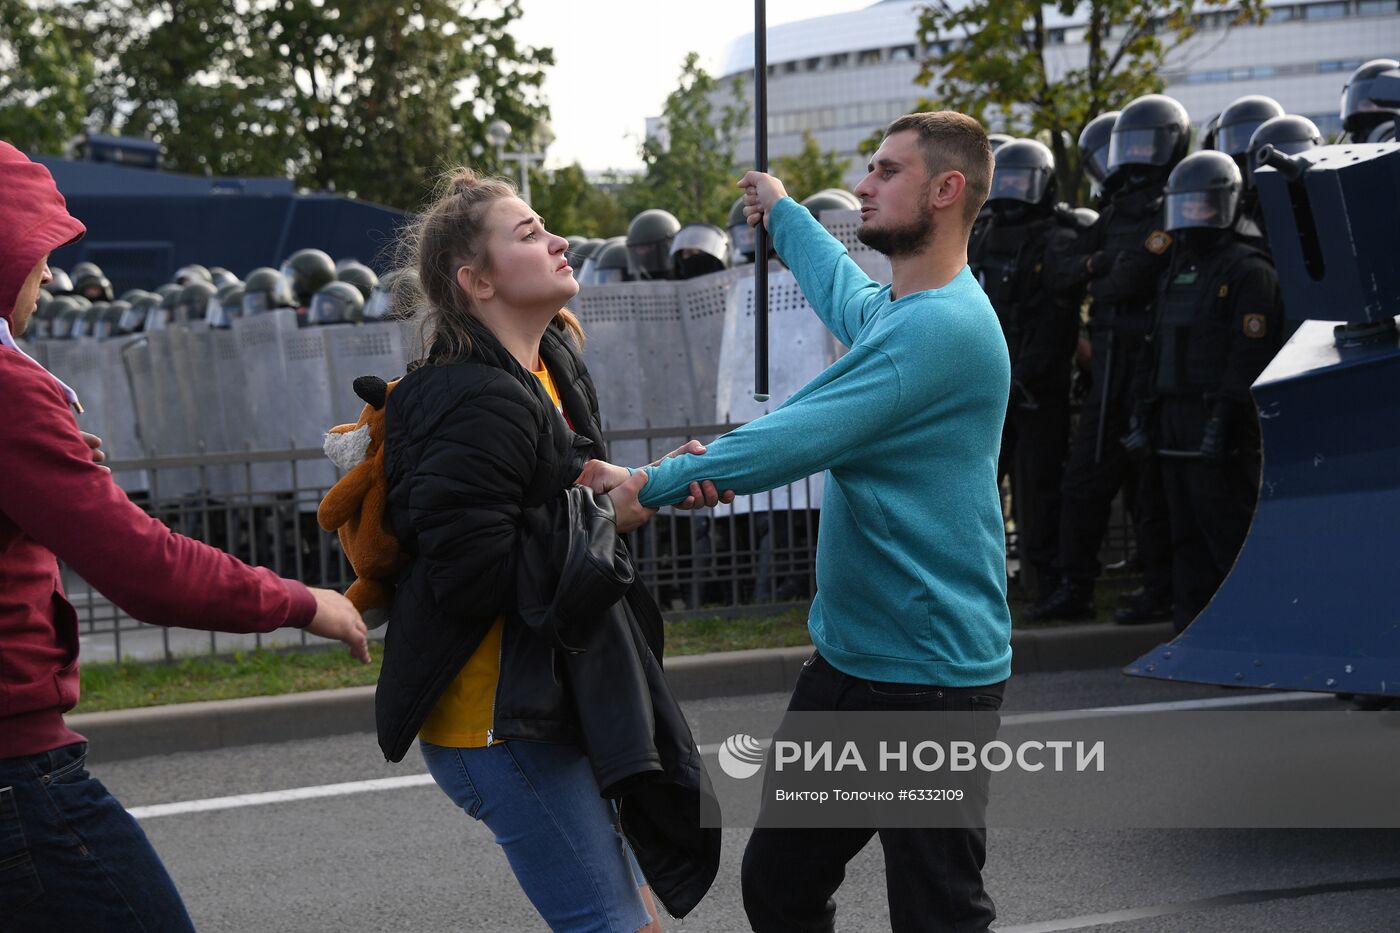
(911, 560)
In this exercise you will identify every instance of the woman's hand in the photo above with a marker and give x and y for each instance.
(337, 619)
(631, 514)
(601, 476)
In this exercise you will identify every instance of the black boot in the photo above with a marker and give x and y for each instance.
(1142, 606)
(1072, 600)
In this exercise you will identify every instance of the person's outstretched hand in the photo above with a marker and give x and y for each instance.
(95, 445)
(761, 192)
(337, 619)
(630, 512)
(702, 494)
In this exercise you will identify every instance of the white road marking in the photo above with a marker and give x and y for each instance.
(239, 801)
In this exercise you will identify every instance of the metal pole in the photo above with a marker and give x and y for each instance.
(760, 259)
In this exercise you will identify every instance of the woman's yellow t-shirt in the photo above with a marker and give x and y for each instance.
(462, 717)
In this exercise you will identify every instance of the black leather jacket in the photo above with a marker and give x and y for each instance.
(480, 469)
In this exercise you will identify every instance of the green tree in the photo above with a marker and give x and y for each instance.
(812, 169)
(692, 172)
(44, 73)
(571, 204)
(367, 99)
(1001, 64)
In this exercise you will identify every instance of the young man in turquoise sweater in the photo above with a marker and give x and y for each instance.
(910, 611)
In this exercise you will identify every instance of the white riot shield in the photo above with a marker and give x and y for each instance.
(842, 225)
(79, 364)
(158, 420)
(266, 400)
(704, 302)
(372, 349)
(119, 437)
(614, 359)
(36, 349)
(800, 347)
(309, 384)
(196, 372)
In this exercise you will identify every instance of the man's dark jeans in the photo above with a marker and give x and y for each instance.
(933, 877)
(71, 858)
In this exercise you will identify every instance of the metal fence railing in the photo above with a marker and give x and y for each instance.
(756, 556)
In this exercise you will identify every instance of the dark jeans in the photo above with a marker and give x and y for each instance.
(933, 877)
(71, 859)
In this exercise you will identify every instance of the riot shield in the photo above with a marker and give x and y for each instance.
(704, 303)
(79, 364)
(372, 349)
(309, 384)
(613, 355)
(119, 437)
(266, 401)
(842, 225)
(196, 376)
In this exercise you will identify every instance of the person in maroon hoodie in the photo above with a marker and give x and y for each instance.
(71, 858)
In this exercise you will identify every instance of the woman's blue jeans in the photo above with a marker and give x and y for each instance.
(541, 802)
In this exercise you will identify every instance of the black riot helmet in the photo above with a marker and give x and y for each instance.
(1093, 146)
(306, 271)
(1288, 134)
(89, 282)
(220, 277)
(393, 291)
(1151, 132)
(649, 238)
(107, 323)
(1203, 191)
(194, 272)
(225, 306)
(193, 302)
(359, 275)
(830, 199)
(133, 318)
(608, 265)
(1361, 115)
(85, 325)
(265, 290)
(1023, 173)
(1239, 121)
(741, 235)
(336, 303)
(580, 252)
(63, 315)
(997, 140)
(41, 324)
(61, 283)
(699, 249)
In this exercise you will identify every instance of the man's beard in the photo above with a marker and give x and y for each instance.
(909, 240)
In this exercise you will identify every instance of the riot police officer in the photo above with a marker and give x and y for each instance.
(266, 290)
(1126, 255)
(336, 303)
(1093, 150)
(610, 264)
(1219, 323)
(1238, 122)
(1363, 119)
(393, 291)
(741, 235)
(649, 238)
(1027, 241)
(89, 282)
(359, 275)
(192, 304)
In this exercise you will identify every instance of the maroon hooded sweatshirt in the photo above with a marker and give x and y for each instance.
(56, 504)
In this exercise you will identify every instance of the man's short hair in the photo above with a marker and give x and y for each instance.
(953, 141)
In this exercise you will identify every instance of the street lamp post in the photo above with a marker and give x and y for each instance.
(498, 132)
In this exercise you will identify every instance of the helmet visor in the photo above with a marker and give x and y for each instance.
(326, 309)
(608, 276)
(131, 320)
(705, 239)
(1234, 139)
(1357, 99)
(1019, 184)
(380, 306)
(650, 259)
(158, 319)
(1096, 163)
(745, 240)
(1152, 146)
(1212, 209)
(255, 303)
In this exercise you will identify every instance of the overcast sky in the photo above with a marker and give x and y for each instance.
(618, 59)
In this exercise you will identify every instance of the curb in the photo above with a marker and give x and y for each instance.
(195, 727)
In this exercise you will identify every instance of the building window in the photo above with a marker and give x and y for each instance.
(1377, 7)
(815, 64)
(869, 57)
(902, 54)
(1325, 10)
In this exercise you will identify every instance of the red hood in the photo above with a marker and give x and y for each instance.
(34, 221)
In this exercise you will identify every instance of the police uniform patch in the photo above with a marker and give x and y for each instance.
(1255, 325)
(1224, 290)
(1157, 242)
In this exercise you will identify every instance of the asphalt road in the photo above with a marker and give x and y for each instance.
(403, 859)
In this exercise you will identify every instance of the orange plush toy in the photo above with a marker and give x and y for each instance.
(354, 506)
